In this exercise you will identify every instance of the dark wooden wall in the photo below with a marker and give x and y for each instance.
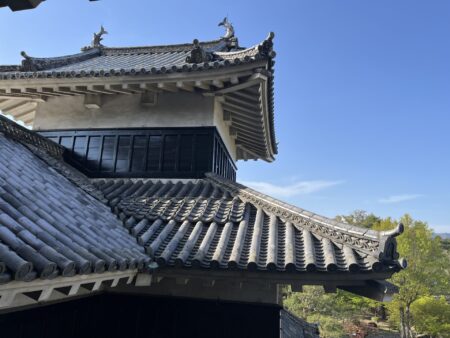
(146, 152)
(108, 316)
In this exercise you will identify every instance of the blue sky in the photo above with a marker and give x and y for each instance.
(362, 89)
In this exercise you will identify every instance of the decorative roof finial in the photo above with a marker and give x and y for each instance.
(229, 33)
(98, 37)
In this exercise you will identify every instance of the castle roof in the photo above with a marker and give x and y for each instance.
(241, 77)
(57, 222)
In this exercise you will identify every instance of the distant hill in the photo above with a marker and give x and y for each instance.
(443, 235)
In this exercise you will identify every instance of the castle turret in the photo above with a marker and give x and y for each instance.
(174, 111)
(155, 133)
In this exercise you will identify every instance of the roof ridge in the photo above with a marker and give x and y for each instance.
(376, 243)
(31, 63)
(187, 46)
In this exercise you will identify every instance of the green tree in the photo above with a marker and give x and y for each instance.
(330, 310)
(360, 218)
(427, 271)
(445, 242)
(432, 316)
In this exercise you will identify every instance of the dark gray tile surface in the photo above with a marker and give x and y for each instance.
(51, 227)
(106, 61)
(204, 224)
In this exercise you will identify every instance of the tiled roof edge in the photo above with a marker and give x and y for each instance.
(26, 136)
(33, 64)
(378, 244)
(210, 65)
(38, 64)
(33, 67)
(49, 152)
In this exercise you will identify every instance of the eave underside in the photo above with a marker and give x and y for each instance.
(244, 96)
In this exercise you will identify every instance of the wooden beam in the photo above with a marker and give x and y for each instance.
(100, 89)
(239, 108)
(250, 152)
(14, 90)
(236, 115)
(49, 91)
(217, 83)
(170, 87)
(29, 118)
(153, 87)
(240, 86)
(202, 85)
(11, 105)
(248, 143)
(245, 95)
(84, 90)
(204, 288)
(181, 281)
(28, 97)
(26, 106)
(247, 104)
(143, 279)
(92, 101)
(137, 88)
(118, 89)
(226, 116)
(20, 115)
(68, 91)
(185, 86)
(233, 132)
(248, 132)
(234, 80)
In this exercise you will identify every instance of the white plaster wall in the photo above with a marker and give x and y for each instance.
(224, 129)
(179, 109)
(123, 111)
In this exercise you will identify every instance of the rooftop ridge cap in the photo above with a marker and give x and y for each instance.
(62, 57)
(366, 240)
(9, 68)
(238, 51)
(183, 46)
(279, 203)
(41, 64)
(264, 47)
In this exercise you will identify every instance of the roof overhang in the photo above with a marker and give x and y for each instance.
(19, 5)
(243, 89)
(20, 294)
(256, 287)
(247, 109)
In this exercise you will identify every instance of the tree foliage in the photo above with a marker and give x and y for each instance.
(427, 271)
(330, 311)
(417, 308)
(432, 316)
(360, 218)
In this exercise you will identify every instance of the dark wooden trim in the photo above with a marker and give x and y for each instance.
(208, 154)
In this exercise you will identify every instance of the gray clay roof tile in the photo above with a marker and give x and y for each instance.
(215, 223)
(50, 227)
